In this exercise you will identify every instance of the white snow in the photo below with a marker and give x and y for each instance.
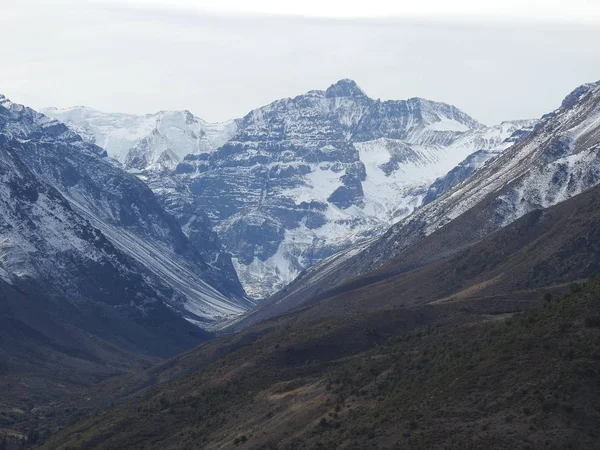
(448, 125)
(534, 181)
(434, 144)
(179, 132)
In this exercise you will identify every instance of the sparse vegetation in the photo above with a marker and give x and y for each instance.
(512, 383)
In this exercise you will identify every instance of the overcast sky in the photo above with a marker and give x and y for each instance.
(496, 60)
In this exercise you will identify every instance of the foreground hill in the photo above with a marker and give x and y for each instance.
(523, 381)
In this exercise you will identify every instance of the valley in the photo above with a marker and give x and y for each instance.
(422, 278)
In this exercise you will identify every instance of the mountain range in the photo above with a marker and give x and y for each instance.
(430, 270)
(555, 161)
(298, 180)
(95, 276)
(479, 348)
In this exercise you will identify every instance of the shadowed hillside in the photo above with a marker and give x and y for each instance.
(527, 381)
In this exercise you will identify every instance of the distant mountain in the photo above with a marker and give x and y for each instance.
(155, 142)
(560, 158)
(303, 178)
(306, 177)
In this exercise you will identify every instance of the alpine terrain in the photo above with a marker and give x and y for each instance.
(557, 160)
(229, 245)
(482, 331)
(473, 321)
(96, 278)
(300, 179)
(125, 212)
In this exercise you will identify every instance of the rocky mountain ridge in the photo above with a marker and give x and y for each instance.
(79, 210)
(557, 160)
(303, 178)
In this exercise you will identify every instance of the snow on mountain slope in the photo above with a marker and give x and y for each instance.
(303, 178)
(76, 276)
(24, 123)
(557, 160)
(150, 142)
(422, 163)
(494, 140)
(306, 177)
(124, 211)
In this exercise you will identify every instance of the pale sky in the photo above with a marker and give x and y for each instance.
(586, 10)
(496, 60)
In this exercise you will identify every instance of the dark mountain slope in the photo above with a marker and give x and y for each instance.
(124, 210)
(47, 351)
(73, 308)
(525, 381)
(96, 279)
(50, 252)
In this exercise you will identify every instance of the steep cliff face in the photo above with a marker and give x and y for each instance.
(306, 177)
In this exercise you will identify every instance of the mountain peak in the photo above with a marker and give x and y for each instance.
(5, 101)
(345, 88)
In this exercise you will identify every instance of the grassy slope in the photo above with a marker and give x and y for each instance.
(530, 380)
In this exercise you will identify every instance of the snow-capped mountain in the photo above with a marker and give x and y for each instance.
(557, 160)
(494, 140)
(74, 220)
(303, 178)
(560, 158)
(306, 177)
(154, 142)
